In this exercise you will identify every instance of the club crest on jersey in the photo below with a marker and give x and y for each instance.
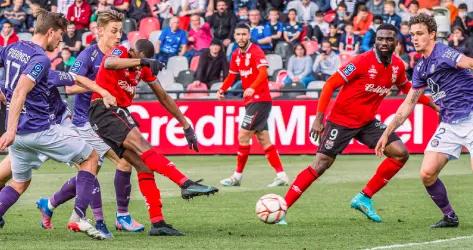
(117, 52)
(434, 143)
(395, 72)
(349, 69)
(372, 72)
(329, 144)
(237, 61)
(37, 69)
(75, 68)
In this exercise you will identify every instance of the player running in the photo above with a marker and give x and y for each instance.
(446, 72)
(29, 129)
(364, 82)
(250, 63)
(119, 73)
(87, 64)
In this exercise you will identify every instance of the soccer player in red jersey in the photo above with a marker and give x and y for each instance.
(250, 63)
(364, 82)
(119, 73)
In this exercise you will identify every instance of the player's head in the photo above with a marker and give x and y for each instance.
(242, 35)
(385, 41)
(292, 14)
(423, 29)
(143, 49)
(50, 27)
(110, 27)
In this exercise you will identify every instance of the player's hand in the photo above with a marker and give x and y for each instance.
(6, 140)
(191, 138)
(109, 100)
(153, 64)
(316, 129)
(249, 92)
(381, 145)
(220, 94)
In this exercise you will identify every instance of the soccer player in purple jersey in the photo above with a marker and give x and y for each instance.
(446, 73)
(30, 133)
(87, 64)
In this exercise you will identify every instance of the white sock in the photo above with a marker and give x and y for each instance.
(50, 206)
(281, 174)
(123, 214)
(237, 175)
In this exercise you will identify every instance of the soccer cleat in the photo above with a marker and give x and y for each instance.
(446, 222)
(282, 221)
(2, 222)
(78, 224)
(163, 229)
(231, 182)
(197, 189)
(364, 204)
(279, 181)
(128, 224)
(46, 213)
(102, 227)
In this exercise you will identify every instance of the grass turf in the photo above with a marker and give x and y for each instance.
(321, 219)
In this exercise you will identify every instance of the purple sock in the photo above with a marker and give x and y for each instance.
(67, 192)
(8, 197)
(85, 186)
(96, 201)
(438, 193)
(122, 190)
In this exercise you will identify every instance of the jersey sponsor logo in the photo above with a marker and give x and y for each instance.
(246, 73)
(75, 68)
(117, 52)
(349, 69)
(372, 72)
(395, 73)
(37, 69)
(436, 93)
(127, 87)
(450, 54)
(380, 90)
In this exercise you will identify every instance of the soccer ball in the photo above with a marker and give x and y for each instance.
(271, 208)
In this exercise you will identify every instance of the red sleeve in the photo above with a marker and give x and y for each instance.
(352, 69)
(233, 66)
(70, 12)
(85, 17)
(147, 75)
(259, 58)
(401, 74)
(333, 83)
(228, 82)
(262, 76)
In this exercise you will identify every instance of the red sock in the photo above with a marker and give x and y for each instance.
(242, 157)
(300, 184)
(273, 157)
(150, 192)
(386, 170)
(157, 162)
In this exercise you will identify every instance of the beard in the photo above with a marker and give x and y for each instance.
(244, 45)
(385, 56)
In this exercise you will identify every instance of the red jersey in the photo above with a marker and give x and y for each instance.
(246, 64)
(368, 81)
(121, 83)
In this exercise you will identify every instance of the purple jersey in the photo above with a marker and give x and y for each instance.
(57, 106)
(29, 59)
(87, 64)
(452, 87)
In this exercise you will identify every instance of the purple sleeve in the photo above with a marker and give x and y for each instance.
(81, 65)
(59, 78)
(417, 81)
(449, 56)
(38, 68)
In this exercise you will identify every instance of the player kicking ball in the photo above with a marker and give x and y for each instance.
(447, 74)
(119, 73)
(249, 62)
(364, 82)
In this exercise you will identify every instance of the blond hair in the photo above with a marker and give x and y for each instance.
(108, 16)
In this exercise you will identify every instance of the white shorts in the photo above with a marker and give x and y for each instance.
(449, 138)
(57, 143)
(66, 121)
(87, 134)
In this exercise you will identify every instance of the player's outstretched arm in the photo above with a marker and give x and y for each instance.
(24, 86)
(114, 62)
(465, 62)
(75, 89)
(85, 82)
(423, 99)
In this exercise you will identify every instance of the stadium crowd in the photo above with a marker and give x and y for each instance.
(305, 41)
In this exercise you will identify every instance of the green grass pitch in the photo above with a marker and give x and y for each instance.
(322, 219)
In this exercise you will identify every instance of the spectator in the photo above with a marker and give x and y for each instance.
(406, 39)
(461, 42)
(212, 65)
(464, 20)
(102, 5)
(412, 10)
(79, 13)
(349, 42)
(452, 9)
(276, 4)
(324, 5)
(138, 10)
(199, 38)
(389, 14)
(376, 7)
(334, 37)
(320, 25)
(49, 5)
(249, 4)
(306, 11)
(243, 15)
(172, 41)
(164, 11)
(275, 26)
(349, 5)
(326, 63)
(190, 7)
(341, 15)
(292, 29)
(8, 35)
(299, 67)
(222, 23)
(16, 15)
(92, 37)
(401, 53)
(121, 5)
(63, 5)
(362, 21)
(71, 39)
(369, 37)
(260, 34)
(67, 60)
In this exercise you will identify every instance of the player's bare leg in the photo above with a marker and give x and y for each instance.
(244, 137)
(432, 164)
(273, 158)
(5, 171)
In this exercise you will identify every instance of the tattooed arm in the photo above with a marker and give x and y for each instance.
(401, 115)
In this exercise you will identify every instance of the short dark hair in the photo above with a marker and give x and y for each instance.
(387, 26)
(425, 19)
(273, 10)
(300, 45)
(293, 10)
(145, 46)
(46, 20)
(216, 42)
(243, 25)
(390, 2)
(363, 8)
(414, 2)
(378, 17)
(463, 6)
(319, 13)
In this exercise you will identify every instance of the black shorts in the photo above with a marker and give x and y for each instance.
(256, 116)
(112, 124)
(335, 138)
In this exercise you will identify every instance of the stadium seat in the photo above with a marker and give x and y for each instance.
(315, 85)
(194, 63)
(298, 89)
(275, 86)
(281, 76)
(133, 37)
(196, 87)
(144, 92)
(165, 77)
(152, 3)
(284, 50)
(311, 47)
(129, 25)
(154, 38)
(177, 64)
(275, 63)
(330, 16)
(185, 77)
(84, 37)
(174, 87)
(25, 36)
(214, 88)
(148, 25)
(442, 18)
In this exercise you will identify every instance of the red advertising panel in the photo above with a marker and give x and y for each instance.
(216, 124)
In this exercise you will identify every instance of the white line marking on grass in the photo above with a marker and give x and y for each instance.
(421, 243)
